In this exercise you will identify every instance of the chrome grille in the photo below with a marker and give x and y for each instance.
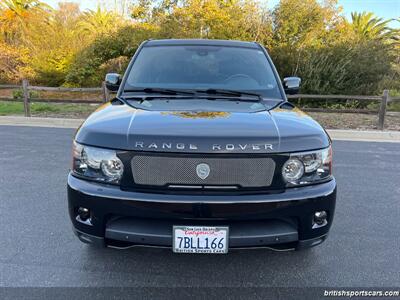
(181, 170)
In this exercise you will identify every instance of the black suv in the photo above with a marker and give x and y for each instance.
(201, 152)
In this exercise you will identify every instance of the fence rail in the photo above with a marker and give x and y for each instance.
(336, 97)
(26, 88)
(49, 100)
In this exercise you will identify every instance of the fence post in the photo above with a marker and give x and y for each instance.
(106, 92)
(382, 109)
(27, 109)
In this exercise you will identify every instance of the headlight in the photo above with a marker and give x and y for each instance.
(308, 167)
(97, 163)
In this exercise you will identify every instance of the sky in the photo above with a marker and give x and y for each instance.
(386, 9)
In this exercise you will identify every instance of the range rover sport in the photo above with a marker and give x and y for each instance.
(201, 152)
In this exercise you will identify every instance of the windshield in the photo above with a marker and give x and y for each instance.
(204, 67)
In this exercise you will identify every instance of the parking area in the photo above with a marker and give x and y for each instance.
(38, 247)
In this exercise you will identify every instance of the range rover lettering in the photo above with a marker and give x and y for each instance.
(201, 152)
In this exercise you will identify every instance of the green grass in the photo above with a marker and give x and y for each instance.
(17, 108)
(392, 106)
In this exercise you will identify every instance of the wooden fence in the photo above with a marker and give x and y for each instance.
(26, 88)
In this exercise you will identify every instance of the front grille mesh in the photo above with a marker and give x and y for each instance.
(175, 170)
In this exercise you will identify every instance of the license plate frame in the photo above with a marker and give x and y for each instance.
(197, 236)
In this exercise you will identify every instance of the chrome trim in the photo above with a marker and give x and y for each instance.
(86, 222)
(315, 225)
(176, 186)
(225, 187)
(214, 187)
(167, 145)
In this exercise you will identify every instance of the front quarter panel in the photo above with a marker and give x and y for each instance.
(298, 131)
(107, 127)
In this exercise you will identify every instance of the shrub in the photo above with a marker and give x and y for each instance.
(88, 66)
(19, 94)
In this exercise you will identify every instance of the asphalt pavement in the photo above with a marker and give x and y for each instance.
(38, 248)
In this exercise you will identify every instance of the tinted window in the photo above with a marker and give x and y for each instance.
(202, 67)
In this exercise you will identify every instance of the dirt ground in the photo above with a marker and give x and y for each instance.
(358, 121)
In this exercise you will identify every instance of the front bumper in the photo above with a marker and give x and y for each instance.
(280, 220)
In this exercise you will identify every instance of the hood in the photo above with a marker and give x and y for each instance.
(126, 128)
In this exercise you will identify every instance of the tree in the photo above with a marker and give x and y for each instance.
(312, 40)
(367, 26)
(52, 52)
(98, 22)
(304, 22)
(113, 50)
(308, 38)
(214, 19)
(298, 26)
(14, 64)
(17, 15)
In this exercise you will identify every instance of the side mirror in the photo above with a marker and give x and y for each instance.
(113, 80)
(291, 85)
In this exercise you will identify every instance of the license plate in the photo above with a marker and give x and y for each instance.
(200, 239)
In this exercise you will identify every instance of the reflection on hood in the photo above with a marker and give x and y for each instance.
(299, 113)
(198, 114)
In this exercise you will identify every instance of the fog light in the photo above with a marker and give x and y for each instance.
(320, 219)
(83, 213)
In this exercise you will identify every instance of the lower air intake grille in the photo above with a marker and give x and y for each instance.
(176, 170)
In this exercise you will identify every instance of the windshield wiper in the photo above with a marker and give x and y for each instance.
(161, 91)
(227, 94)
(233, 93)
